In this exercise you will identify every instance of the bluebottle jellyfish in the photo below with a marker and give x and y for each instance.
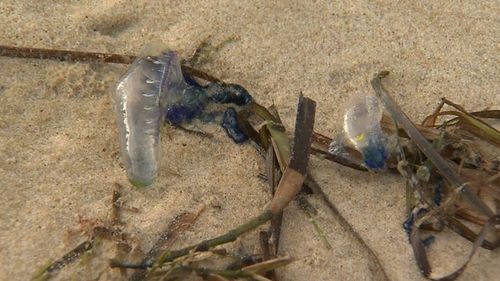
(362, 129)
(155, 90)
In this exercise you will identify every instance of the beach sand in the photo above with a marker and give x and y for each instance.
(59, 154)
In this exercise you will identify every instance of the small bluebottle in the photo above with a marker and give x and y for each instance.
(362, 129)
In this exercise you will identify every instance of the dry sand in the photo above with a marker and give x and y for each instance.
(58, 140)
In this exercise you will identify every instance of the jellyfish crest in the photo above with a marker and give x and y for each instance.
(172, 84)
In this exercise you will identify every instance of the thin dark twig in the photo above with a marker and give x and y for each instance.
(195, 132)
(64, 55)
(266, 255)
(83, 56)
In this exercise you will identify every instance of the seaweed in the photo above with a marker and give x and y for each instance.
(468, 121)
(426, 166)
(438, 161)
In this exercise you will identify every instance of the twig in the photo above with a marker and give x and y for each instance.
(64, 55)
(83, 56)
(195, 132)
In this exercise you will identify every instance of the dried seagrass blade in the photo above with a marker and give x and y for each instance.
(247, 128)
(302, 139)
(493, 114)
(429, 133)
(272, 132)
(462, 230)
(439, 162)
(474, 125)
(262, 112)
(274, 174)
(296, 171)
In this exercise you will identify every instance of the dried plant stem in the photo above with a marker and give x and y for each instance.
(82, 56)
(64, 55)
(229, 236)
(426, 147)
(251, 272)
